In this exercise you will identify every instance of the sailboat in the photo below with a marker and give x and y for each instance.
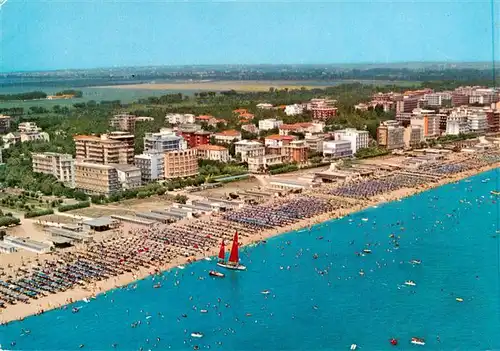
(233, 262)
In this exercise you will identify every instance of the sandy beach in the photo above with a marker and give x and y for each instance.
(52, 301)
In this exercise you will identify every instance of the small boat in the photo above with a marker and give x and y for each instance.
(353, 347)
(157, 286)
(208, 259)
(367, 251)
(197, 335)
(417, 341)
(361, 273)
(216, 274)
(203, 311)
(415, 261)
(459, 299)
(493, 192)
(181, 267)
(265, 292)
(364, 219)
(75, 310)
(410, 283)
(233, 262)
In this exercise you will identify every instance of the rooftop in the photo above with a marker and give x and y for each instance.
(99, 222)
(211, 147)
(230, 132)
(280, 137)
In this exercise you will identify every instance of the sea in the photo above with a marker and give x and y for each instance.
(303, 290)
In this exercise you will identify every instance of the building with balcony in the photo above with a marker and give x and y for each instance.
(493, 118)
(227, 136)
(213, 152)
(152, 165)
(357, 138)
(260, 164)
(129, 176)
(478, 122)
(248, 148)
(429, 122)
(250, 128)
(296, 151)
(4, 123)
(390, 135)
(126, 122)
(180, 118)
(270, 123)
(322, 109)
(61, 166)
(305, 127)
(293, 110)
(94, 178)
(337, 149)
(457, 123)
(115, 147)
(181, 163)
(194, 135)
(163, 141)
(413, 136)
(277, 140)
(406, 105)
(459, 99)
(314, 142)
(28, 127)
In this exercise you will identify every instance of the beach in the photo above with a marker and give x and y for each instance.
(52, 301)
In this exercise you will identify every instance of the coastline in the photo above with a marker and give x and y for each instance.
(20, 311)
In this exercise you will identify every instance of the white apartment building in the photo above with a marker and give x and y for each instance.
(227, 136)
(437, 99)
(477, 122)
(270, 123)
(163, 141)
(413, 136)
(129, 176)
(357, 138)
(180, 118)
(152, 166)
(213, 152)
(260, 164)
(26, 127)
(61, 166)
(293, 110)
(247, 148)
(457, 123)
(337, 149)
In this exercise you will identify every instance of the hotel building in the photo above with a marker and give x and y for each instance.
(61, 166)
(181, 163)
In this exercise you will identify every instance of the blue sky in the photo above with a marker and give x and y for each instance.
(60, 34)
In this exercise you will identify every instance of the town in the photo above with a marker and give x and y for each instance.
(213, 175)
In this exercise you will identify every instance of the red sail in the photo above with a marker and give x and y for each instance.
(222, 251)
(233, 258)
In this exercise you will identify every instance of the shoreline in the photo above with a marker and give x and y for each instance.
(47, 303)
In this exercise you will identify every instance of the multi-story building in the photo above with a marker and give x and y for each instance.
(413, 136)
(322, 109)
(250, 128)
(126, 122)
(293, 110)
(181, 163)
(277, 140)
(213, 152)
(129, 176)
(437, 99)
(115, 147)
(28, 127)
(270, 123)
(61, 166)
(493, 118)
(194, 135)
(428, 121)
(94, 178)
(4, 123)
(478, 122)
(152, 165)
(459, 99)
(390, 135)
(358, 138)
(457, 123)
(180, 118)
(296, 151)
(406, 105)
(337, 149)
(227, 136)
(247, 148)
(303, 128)
(260, 164)
(34, 136)
(314, 142)
(163, 141)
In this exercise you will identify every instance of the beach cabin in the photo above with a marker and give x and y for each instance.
(100, 224)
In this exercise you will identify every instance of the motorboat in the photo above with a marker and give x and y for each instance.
(216, 274)
(410, 283)
(415, 261)
(203, 311)
(265, 292)
(353, 347)
(459, 299)
(157, 286)
(417, 341)
(197, 335)
(367, 251)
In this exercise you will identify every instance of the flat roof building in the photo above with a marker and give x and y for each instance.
(61, 166)
(94, 178)
(181, 163)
